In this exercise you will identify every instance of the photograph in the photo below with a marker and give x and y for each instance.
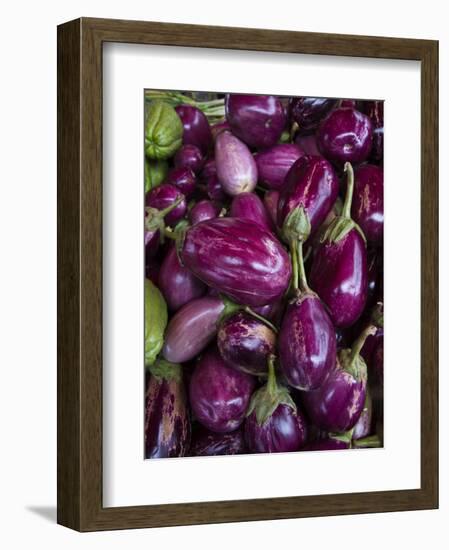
(263, 284)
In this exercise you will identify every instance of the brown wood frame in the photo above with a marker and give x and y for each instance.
(80, 273)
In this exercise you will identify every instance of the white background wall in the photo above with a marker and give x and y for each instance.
(28, 273)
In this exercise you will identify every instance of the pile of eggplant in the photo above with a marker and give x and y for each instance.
(263, 231)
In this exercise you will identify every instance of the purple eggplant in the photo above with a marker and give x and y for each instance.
(274, 424)
(272, 312)
(327, 444)
(245, 343)
(258, 120)
(210, 179)
(167, 423)
(310, 191)
(378, 362)
(271, 200)
(364, 424)
(368, 202)
(248, 206)
(207, 443)
(337, 404)
(218, 128)
(375, 110)
(308, 144)
(274, 163)
(236, 167)
(371, 343)
(219, 395)
(193, 327)
(164, 197)
(308, 112)
(339, 269)
(346, 135)
(238, 258)
(189, 156)
(196, 127)
(178, 284)
(152, 240)
(182, 178)
(203, 210)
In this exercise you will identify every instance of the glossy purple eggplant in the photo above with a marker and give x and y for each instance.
(167, 423)
(193, 327)
(182, 178)
(327, 444)
(210, 179)
(189, 156)
(245, 343)
(375, 110)
(274, 424)
(339, 269)
(152, 241)
(337, 404)
(274, 163)
(308, 112)
(346, 135)
(248, 206)
(236, 167)
(177, 283)
(258, 120)
(196, 127)
(207, 443)
(203, 210)
(364, 424)
(308, 144)
(218, 128)
(368, 202)
(239, 258)
(219, 395)
(164, 196)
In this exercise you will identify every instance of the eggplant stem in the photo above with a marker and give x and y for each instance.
(295, 274)
(346, 212)
(371, 441)
(360, 342)
(271, 382)
(168, 209)
(251, 312)
(303, 286)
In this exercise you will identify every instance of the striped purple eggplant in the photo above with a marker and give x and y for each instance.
(364, 424)
(203, 210)
(368, 202)
(248, 206)
(274, 163)
(167, 423)
(189, 156)
(238, 258)
(308, 112)
(219, 395)
(375, 111)
(196, 127)
(207, 443)
(339, 269)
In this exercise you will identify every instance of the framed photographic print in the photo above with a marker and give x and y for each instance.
(247, 274)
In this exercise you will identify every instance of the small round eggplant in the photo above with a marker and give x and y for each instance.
(236, 167)
(375, 110)
(308, 112)
(210, 179)
(207, 443)
(270, 200)
(203, 210)
(339, 269)
(274, 163)
(245, 343)
(346, 135)
(258, 120)
(196, 127)
(182, 178)
(189, 156)
(164, 196)
(274, 424)
(368, 202)
(248, 206)
(167, 423)
(178, 284)
(219, 395)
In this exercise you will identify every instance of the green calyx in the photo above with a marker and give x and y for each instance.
(163, 131)
(230, 307)
(369, 442)
(213, 109)
(296, 226)
(346, 437)
(377, 315)
(350, 359)
(164, 370)
(267, 399)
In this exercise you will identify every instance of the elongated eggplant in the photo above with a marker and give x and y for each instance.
(368, 202)
(196, 129)
(337, 404)
(258, 120)
(236, 167)
(177, 283)
(274, 163)
(182, 178)
(207, 443)
(274, 424)
(346, 135)
(164, 197)
(219, 395)
(239, 258)
(167, 423)
(375, 111)
(339, 268)
(248, 206)
(308, 112)
(364, 424)
(245, 343)
(203, 210)
(189, 156)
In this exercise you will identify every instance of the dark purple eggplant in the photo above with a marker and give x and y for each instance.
(238, 258)
(178, 284)
(258, 120)
(196, 127)
(245, 343)
(248, 206)
(346, 135)
(308, 112)
(337, 404)
(219, 395)
(376, 319)
(364, 424)
(167, 423)
(210, 179)
(189, 156)
(152, 240)
(270, 200)
(207, 443)
(274, 424)
(218, 128)
(272, 312)
(274, 163)
(164, 197)
(368, 202)
(182, 178)
(236, 167)
(375, 110)
(339, 269)
(193, 327)
(378, 362)
(327, 444)
(203, 210)
(308, 144)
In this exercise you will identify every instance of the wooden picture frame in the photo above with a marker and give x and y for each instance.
(80, 274)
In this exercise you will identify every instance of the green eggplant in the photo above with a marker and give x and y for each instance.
(155, 173)
(163, 131)
(155, 321)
